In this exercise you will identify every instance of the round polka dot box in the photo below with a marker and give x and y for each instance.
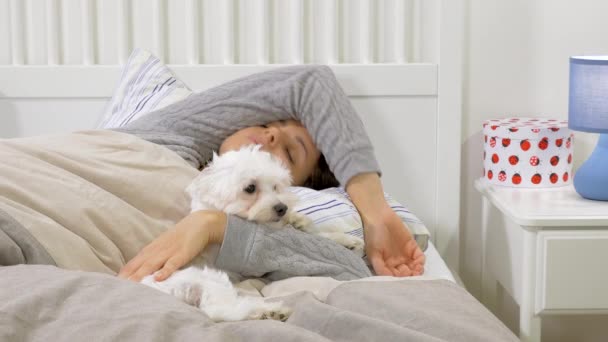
(527, 152)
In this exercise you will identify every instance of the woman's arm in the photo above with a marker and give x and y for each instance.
(389, 246)
(197, 125)
(177, 246)
(247, 248)
(256, 250)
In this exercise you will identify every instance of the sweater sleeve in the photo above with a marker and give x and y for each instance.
(255, 250)
(197, 125)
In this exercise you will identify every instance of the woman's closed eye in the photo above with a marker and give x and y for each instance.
(286, 150)
(289, 156)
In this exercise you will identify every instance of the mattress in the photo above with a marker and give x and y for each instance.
(435, 266)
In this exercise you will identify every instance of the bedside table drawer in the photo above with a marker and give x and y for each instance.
(572, 271)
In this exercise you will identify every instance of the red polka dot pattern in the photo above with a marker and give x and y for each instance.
(527, 152)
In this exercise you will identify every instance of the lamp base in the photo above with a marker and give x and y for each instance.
(591, 179)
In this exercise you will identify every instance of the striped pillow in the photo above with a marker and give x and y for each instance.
(146, 84)
(332, 207)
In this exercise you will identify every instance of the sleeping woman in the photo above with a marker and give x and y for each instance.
(300, 115)
(267, 108)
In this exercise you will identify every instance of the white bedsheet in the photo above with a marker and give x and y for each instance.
(435, 266)
(320, 287)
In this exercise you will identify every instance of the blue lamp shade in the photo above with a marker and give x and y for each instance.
(588, 98)
(588, 112)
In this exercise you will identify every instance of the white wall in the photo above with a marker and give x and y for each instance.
(516, 64)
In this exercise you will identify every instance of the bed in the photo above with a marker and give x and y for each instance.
(398, 61)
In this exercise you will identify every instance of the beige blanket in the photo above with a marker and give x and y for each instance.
(40, 187)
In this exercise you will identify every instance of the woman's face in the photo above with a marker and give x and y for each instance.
(287, 140)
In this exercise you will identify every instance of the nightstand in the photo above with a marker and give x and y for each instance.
(548, 248)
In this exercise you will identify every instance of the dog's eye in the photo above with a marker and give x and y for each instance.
(250, 189)
(265, 126)
(275, 188)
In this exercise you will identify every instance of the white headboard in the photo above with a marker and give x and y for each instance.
(398, 60)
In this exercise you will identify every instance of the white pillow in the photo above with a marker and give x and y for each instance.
(146, 84)
(333, 207)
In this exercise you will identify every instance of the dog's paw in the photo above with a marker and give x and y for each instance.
(190, 293)
(299, 221)
(354, 243)
(280, 314)
(272, 310)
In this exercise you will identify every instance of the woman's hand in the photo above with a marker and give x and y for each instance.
(389, 246)
(177, 246)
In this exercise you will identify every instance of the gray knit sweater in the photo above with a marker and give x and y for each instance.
(197, 125)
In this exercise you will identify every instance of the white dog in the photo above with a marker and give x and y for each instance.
(251, 184)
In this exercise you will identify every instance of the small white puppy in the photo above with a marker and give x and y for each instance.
(253, 185)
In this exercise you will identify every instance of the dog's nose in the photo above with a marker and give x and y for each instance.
(281, 209)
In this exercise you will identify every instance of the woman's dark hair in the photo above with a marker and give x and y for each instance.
(321, 177)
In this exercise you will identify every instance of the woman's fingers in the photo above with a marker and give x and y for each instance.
(151, 256)
(144, 263)
(417, 253)
(418, 259)
(418, 264)
(133, 265)
(149, 267)
(136, 263)
(380, 265)
(403, 271)
(172, 265)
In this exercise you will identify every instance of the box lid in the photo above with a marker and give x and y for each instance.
(526, 128)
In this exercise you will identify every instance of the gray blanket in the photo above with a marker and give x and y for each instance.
(45, 303)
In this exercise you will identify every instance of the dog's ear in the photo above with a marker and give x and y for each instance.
(194, 190)
(200, 186)
(207, 189)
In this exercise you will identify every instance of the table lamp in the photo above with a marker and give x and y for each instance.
(588, 112)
